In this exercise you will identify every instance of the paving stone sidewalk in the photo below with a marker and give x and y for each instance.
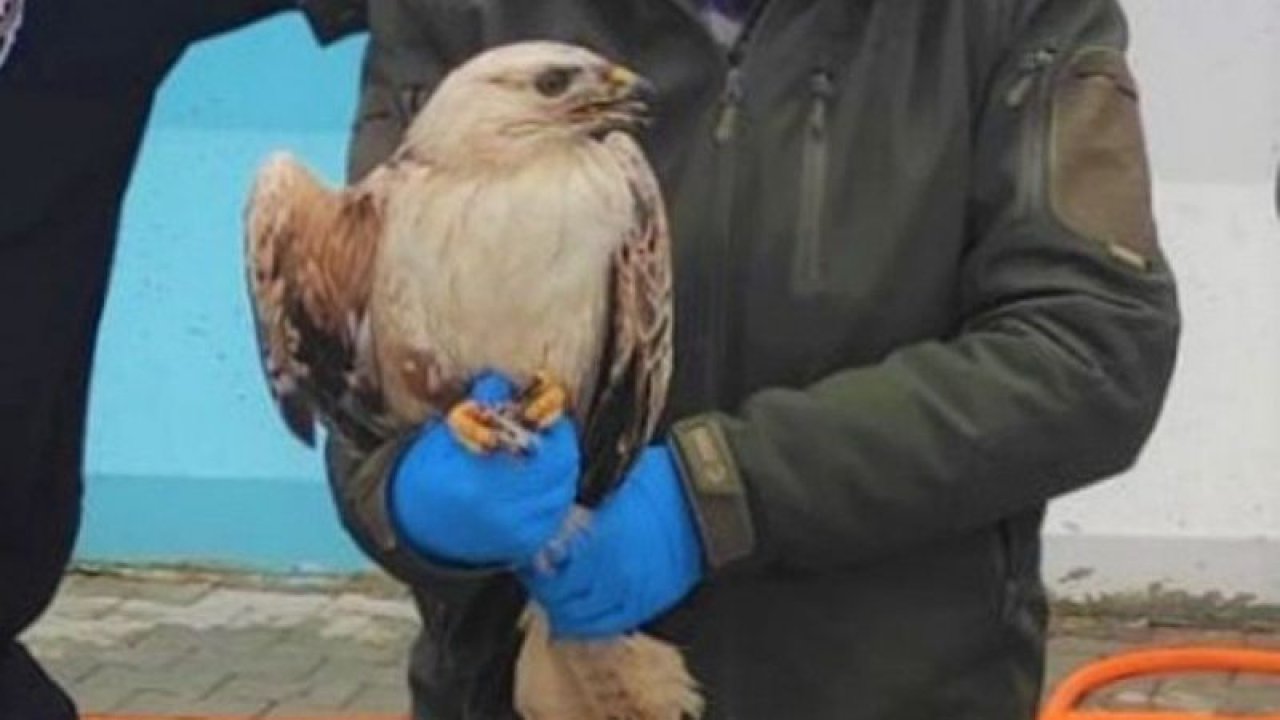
(169, 642)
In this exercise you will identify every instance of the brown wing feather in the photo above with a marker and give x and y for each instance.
(636, 365)
(310, 254)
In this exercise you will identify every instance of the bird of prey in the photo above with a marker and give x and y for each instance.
(517, 228)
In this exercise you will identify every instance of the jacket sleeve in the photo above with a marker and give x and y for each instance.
(206, 19)
(330, 20)
(359, 482)
(1055, 379)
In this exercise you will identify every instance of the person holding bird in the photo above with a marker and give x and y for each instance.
(918, 294)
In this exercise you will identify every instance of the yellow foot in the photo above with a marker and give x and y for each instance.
(474, 426)
(544, 401)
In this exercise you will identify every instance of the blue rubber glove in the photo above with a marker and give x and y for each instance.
(638, 557)
(497, 509)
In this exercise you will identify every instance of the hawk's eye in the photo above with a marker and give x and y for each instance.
(553, 83)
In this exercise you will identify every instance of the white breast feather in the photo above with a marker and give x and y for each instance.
(505, 273)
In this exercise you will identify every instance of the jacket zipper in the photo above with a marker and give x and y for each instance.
(1034, 83)
(806, 271)
(720, 265)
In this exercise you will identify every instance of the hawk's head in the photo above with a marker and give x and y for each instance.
(526, 94)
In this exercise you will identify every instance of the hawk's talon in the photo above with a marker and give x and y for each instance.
(473, 425)
(544, 401)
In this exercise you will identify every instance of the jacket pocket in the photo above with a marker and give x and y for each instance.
(1031, 94)
(1099, 177)
(806, 267)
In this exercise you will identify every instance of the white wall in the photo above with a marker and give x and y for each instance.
(1201, 511)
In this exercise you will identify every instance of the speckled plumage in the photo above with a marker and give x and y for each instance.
(511, 231)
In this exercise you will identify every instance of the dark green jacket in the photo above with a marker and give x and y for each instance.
(919, 295)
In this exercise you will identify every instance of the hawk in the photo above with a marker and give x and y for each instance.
(518, 228)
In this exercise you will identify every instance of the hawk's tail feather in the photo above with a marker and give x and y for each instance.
(298, 418)
(633, 677)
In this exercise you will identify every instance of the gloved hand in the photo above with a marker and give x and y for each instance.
(497, 509)
(637, 558)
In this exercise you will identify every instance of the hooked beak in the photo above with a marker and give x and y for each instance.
(623, 102)
(627, 86)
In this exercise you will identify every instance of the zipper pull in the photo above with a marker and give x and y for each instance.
(727, 122)
(806, 263)
(1032, 65)
(823, 90)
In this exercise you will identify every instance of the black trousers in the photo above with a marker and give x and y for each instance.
(27, 692)
(52, 287)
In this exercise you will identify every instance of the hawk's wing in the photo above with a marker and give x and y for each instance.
(311, 253)
(635, 369)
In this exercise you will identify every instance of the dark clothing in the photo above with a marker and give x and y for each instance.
(27, 691)
(919, 295)
(74, 99)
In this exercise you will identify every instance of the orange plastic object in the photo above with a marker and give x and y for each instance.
(1095, 676)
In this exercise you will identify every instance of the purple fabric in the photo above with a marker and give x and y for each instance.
(736, 9)
(10, 22)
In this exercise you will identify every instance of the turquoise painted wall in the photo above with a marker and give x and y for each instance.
(186, 459)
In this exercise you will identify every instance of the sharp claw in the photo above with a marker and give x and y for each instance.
(474, 447)
(543, 401)
(473, 426)
(511, 426)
